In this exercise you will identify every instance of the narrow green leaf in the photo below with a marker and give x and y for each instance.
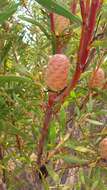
(8, 12)
(53, 6)
(95, 185)
(90, 104)
(5, 52)
(2, 125)
(94, 122)
(72, 159)
(62, 118)
(52, 132)
(100, 44)
(53, 174)
(83, 149)
(81, 176)
(46, 185)
(14, 78)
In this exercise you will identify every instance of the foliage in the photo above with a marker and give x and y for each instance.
(75, 131)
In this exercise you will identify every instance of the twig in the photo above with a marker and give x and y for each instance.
(44, 132)
(18, 142)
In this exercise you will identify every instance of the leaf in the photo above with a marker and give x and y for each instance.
(74, 145)
(52, 134)
(83, 149)
(5, 52)
(45, 184)
(8, 12)
(73, 95)
(90, 104)
(3, 4)
(72, 159)
(95, 185)
(15, 131)
(53, 174)
(9, 128)
(2, 125)
(63, 118)
(4, 79)
(32, 21)
(53, 6)
(94, 122)
(81, 176)
(35, 131)
(100, 44)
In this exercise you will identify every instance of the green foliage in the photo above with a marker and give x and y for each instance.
(26, 42)
(57, 8)
(8, 11)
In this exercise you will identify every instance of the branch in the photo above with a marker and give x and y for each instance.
(52, 22)
(87, 33)
(74, 6)
(83, 10)
(87, 8)
(44, 133)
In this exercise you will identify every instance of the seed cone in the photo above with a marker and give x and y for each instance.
(61, 23)
(103, 148)
(57, 72)
(97, 79)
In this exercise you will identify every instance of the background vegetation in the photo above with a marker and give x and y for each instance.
(71, 151)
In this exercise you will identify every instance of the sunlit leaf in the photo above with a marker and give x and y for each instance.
(94, 122)
(53, 174)
(8, 12)
(53, 6)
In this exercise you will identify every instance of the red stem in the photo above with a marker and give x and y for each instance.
(87, 33)
(52, 22)
(92, 18)
(83, 10)
(58, 42)
(44, 133)
(74, 6)
(87, 7)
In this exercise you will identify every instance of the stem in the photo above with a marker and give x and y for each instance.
(83, 10)
(52, 22)
(74, 6)
(18, 142)
(87, 8)
(44, 133)
(87, 33)
(92, 17)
